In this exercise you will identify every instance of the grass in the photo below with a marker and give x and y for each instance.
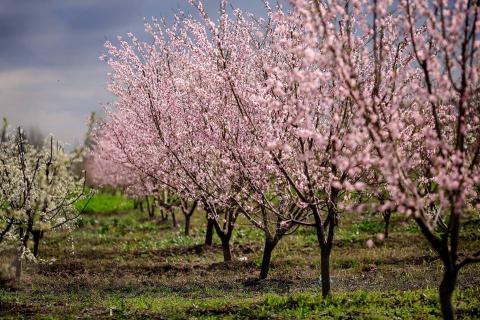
(105, 203)
(126, 266)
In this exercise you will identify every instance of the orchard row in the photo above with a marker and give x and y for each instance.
(287, 119)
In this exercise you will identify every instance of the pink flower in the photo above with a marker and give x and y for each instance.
(309, 55)
(369, 243)
(380, 237)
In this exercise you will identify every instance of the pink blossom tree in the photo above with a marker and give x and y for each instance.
(312, 143)
(239, 46)
(286, 123)
(154, 126)
(412, 69)
(278, 152)
(195, 67)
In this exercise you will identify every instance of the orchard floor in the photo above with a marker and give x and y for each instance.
(124, 266)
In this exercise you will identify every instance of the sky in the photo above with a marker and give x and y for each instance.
(51, 77)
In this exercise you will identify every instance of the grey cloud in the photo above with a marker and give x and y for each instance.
(50, 74)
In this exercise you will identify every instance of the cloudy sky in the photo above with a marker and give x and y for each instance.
(50, 74)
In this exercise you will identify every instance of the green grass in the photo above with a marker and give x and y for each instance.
(124, 265)
(358, 305)
(105, 203)
(416, 304)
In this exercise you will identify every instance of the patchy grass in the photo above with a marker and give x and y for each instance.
(126, 266)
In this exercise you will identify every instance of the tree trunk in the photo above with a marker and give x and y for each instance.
(325, 271)
(37, 236)
(150, 208)
(227, 254)
(187, 224)
(209, 233)
(149, 211)
(18, 265)
(386, 218)
(163, 214)
(447, 286)
(226, 232)
(225, 238)
(187, 213)
(174, 219)
(324, 253)
(267, 256)
(26, 237)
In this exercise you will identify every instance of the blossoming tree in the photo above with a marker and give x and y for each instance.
(412, 68)
(37, 193)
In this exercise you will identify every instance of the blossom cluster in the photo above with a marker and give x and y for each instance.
(37, 191)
